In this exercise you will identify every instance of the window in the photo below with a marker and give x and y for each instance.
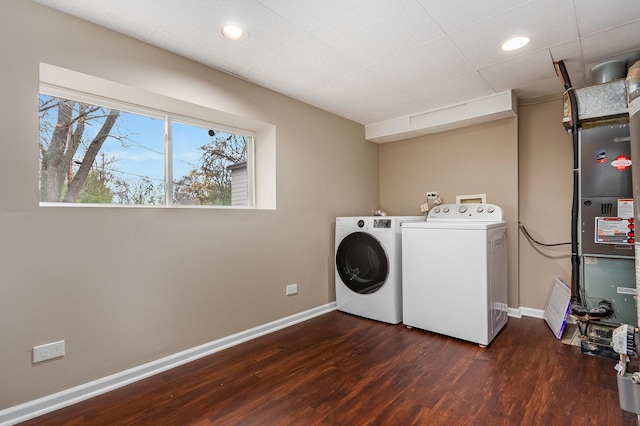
(99, 151)
(202, 105)
(209, 166)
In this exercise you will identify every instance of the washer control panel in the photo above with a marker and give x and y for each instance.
(468, 211)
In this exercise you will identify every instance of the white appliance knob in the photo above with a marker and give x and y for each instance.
(446, 210)
(490, 209)
(480, 209)
(436, 210)
(462, 209)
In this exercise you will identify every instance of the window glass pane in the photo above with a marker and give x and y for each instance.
(209, 166)
(94, 154)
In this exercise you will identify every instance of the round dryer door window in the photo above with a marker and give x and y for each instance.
(362, 263)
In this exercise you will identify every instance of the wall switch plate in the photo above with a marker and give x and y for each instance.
(48, 351)
(291, 289)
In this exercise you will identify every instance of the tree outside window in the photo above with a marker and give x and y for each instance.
(99, 155)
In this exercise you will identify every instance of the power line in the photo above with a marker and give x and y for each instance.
(136, 175)
(139, 145)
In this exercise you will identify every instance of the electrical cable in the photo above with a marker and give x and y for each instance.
(533, 240)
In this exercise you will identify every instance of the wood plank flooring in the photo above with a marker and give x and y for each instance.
(338, 369)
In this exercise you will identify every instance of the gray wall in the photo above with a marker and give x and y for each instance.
(546, 178)
(126, 286)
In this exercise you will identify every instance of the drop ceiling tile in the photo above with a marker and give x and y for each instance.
(606, 43)
(293, 66)
(547, 22)
(347, 95)
(199, 22)
(358, 87)
(449, 17)
(309, 15)
(373, 32)
(596, 15)
(519, 71)
(423, 65)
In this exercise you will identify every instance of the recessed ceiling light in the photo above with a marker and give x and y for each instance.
(234, 32)
(515, 43)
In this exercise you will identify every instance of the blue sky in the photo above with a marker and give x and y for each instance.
(143, 151)
(140, 149)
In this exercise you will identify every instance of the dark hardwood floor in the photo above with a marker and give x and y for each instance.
(338, 369)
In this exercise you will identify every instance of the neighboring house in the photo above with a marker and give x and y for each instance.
(239, 189)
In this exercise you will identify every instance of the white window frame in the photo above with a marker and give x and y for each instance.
(261, 161)
(208, 124)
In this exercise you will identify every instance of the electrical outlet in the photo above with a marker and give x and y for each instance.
(48, 351)
(291, 289)
(432, 194)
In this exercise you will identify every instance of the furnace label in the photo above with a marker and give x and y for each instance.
(614, 230)
(625, 208)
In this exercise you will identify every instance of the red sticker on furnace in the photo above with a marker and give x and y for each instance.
(621, 163)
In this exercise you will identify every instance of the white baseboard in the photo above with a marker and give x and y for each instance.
(47, 404)
(526, 312)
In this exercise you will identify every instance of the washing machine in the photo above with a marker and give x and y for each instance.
(454, 268)
(368, 266)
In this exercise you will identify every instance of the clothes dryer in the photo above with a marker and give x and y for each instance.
(368, 266)
(455, 272)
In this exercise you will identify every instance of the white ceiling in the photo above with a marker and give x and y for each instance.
(376, 60)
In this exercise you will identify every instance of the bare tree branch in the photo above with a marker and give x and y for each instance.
(94, 147)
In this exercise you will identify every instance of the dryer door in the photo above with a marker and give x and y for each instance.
(362, 263)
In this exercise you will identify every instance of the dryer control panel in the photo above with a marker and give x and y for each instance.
(382, 223)
(475, 212)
